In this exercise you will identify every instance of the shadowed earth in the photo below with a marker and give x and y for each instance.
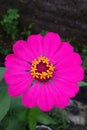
(68, 18)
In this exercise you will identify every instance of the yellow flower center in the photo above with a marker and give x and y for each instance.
(41, 68)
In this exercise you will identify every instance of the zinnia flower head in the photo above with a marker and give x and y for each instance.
(44, 70)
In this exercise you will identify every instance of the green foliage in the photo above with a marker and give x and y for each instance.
(4, 102)
(82, 84)
(43, 32)
(26, 32)
(10, 23)
(2, 70)
(10, 110)
(11, 121)
(15, 124)
(4, 51)
(84, 56)
(84, 50)
(67, 39)
(23, 116)
(37, 116)
(32, 119)
(57, 115)
(44, 118)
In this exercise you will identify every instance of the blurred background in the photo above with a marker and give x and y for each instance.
(68, 18)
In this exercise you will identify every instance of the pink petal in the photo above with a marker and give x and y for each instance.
(71, 60)
(45, 99)
(65, 50)
(23, 51)
(61, 100)
(73, 74)
(16, 64)
(30, 96)
(70, 69)
(35, 42)
(69, 89)
(20, 88)
(51, 44)
(14, 78)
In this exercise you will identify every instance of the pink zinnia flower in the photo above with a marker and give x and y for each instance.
(44, 70)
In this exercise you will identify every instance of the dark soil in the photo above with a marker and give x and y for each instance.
(82, 95)
(2, 60)
(5, 46)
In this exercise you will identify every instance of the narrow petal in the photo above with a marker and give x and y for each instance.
(20, 88)
(45, 99)
(23, 51)
(51, 44)
(30, 96)
(35, 42)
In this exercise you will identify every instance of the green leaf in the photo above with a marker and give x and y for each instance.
(16, 102)
(32, 123)
(30, 25)
(15, 124)
(82, 84)
(19, 109)
(37, 116)
(4, 102)
(2, 70)
(44, 118)
(43, 32)
(23, 115)
(3, 84)
(32, 119)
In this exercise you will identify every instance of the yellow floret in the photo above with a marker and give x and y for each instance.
(43, 75)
